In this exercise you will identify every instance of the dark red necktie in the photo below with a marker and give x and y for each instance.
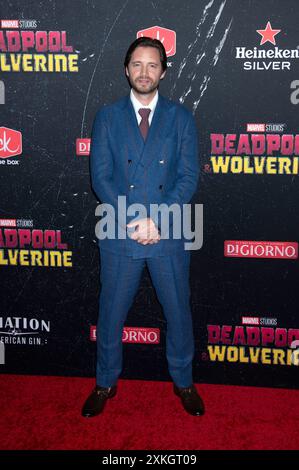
(144, 124)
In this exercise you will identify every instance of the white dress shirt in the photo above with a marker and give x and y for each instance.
(137, 105)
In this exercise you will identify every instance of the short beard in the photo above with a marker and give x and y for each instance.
(142, 91)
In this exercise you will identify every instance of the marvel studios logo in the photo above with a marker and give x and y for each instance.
(259, 321)
(270, 127)
(16, 223)
(18, 24)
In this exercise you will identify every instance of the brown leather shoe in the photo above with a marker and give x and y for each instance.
(190, 399)
(96, 401)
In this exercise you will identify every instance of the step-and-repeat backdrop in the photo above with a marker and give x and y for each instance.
(235, 65)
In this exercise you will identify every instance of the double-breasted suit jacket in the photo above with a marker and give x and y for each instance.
(162, 169)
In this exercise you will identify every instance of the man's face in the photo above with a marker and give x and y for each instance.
(145, 70)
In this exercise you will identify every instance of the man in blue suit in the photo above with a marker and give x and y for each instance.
(144, 148)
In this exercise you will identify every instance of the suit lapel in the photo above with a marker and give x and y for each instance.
(147, 151)
(155, 134)
(133, 132)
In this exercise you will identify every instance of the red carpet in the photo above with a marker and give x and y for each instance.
(44, 413)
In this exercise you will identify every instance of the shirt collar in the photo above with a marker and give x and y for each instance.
(137, 105)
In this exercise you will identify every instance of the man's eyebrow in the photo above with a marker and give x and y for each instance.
(138, 61)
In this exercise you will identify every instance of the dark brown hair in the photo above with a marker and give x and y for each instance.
(147, 42)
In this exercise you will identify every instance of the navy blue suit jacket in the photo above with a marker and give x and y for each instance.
(163, 169)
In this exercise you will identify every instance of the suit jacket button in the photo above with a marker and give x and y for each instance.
(129, 161)
(132, 186)
(161, 162)
(161, 186)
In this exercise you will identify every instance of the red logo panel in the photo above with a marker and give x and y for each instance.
(10, 142)
(166, 36)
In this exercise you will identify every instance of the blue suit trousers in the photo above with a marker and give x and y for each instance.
(120, 279)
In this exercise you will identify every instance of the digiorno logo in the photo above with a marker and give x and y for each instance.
(260, 249)
(134, 335)
(263, 149)
(24, 49)
(257, 340)
(269, 57)
(83, 146)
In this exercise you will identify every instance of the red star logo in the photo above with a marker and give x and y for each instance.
(268, 34)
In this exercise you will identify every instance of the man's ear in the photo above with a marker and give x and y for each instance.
(127, 71)
(163, 75)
